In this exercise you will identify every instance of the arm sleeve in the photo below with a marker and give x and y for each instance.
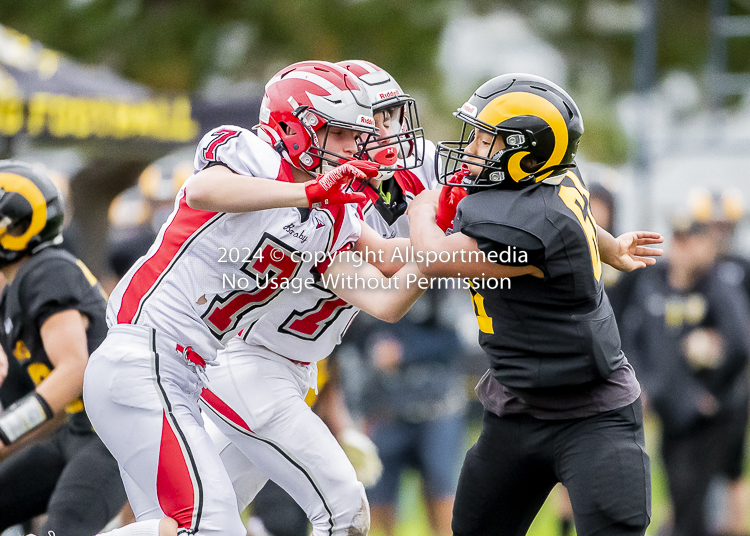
(51, 288)
(502, 239)
(240, 150)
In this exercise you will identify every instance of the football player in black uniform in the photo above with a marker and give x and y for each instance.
(53, 317)
(561, 401)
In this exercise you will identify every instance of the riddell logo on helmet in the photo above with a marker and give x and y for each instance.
(469, 109)
(365, 120)
(387, 94)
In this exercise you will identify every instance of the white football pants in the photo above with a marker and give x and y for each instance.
(270, 432)
(142, 398)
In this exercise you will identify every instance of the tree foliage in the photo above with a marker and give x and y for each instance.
(176, 44)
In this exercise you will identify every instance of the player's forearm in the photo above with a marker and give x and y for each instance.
(63, 385)
(608, 247)
(365, 287)
(429, 241)
(456, 255)
(388, 256)
(425, 234)
(217, 189)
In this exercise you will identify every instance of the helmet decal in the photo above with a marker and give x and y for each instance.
(469, 109)
(11, 182)
(518, 103)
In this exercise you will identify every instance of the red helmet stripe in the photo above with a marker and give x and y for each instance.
(323, 71)
(360, 67)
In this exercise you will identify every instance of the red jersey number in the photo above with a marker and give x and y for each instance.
(270, 259)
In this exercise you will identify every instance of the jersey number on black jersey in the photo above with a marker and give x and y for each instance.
(576, 198)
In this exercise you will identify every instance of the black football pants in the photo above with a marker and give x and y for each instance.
(70, 476)
(518, 459)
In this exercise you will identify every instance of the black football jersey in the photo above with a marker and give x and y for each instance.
(50, 282)
(555, 331)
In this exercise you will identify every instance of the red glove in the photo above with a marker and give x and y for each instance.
(329, 188)
(448, 202)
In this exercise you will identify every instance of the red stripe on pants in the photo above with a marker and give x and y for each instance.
(210, 398)
(174, 486)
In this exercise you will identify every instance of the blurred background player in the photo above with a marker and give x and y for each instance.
(727, 210)
(53, 317)
(137, 214)
(686, 324)
(414, 404)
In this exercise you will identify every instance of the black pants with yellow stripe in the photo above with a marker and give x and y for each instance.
(70, 475)
(518, 459)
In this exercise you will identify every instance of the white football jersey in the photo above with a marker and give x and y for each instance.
(307, 326)
(208, 275)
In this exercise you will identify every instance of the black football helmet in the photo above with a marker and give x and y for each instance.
(536, 128)
(31, 211)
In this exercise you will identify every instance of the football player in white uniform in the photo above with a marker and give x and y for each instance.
(257, 397)
(219, 263)
(406, 158)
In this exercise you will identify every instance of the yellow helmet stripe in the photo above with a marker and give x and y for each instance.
(520, 103)
(10, 182)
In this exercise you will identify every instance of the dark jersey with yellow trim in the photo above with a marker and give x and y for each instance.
(551, 332)
(49, 282)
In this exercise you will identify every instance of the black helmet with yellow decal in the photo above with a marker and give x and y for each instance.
(31, 211)
(533, 129)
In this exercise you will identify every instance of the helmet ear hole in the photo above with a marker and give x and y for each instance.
(530, 164)
(288, 129)
(19, 227)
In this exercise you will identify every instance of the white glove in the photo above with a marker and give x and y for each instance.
(363, 454)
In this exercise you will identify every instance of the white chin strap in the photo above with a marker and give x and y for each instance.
(384, 175)
(326, 166)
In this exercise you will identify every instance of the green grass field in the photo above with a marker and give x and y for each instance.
(413, 518)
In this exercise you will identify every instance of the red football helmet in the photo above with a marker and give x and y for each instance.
(407, 139)
(301, 101)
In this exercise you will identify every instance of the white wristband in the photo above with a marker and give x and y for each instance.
(24, 415)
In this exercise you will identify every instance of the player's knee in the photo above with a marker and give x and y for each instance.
(361, 523)
(360, 520)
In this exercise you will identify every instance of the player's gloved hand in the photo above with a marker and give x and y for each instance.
(448, 201)
(329, 188)
(363, 454)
